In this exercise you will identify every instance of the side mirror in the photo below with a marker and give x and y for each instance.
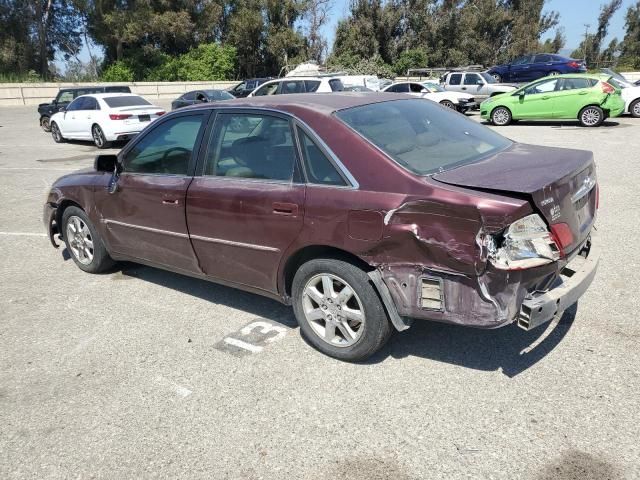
(521, 95)
(106, 163)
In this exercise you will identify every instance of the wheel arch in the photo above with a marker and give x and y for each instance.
(605, 110)
(62, 206)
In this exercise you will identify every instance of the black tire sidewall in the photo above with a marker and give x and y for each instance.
(101, 259)
(377, 327)
(631, 107)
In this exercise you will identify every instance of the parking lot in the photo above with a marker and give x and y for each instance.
(142, 373)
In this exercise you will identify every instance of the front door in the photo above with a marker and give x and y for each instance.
(247, 207)
(538, 101)
(145, 217)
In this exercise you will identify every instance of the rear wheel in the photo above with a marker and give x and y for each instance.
(497, 77)
(83, 242)
(591, 116)
(98, 137)
(448, 104)
(634, 108)
(338, 310)
(501, 116)
(56, 134)
(44, 124)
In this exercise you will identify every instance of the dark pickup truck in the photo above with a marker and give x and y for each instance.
(67, 95)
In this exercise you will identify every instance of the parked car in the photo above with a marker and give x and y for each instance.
(369, 82)
(361, 211)
(630, 92)
(457, 101)
(244, 88)
(67, 95)
(103, 118)
(200, 96)
(586, 98)
(479, 84)
(289, 85)
(467, 101)
(532, 67)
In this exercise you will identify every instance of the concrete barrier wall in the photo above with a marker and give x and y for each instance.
(35, 93)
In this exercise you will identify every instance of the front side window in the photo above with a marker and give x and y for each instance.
(295, 86)
(542, 87)
(166, 149)
(336, 85)
(269, 89)
(90, 103)
(240, 87)
(521, 60)
(76, 104)
(189, 96)
(472, 79)
(251, 146)
(422, 137)
(455, 79)
(318, 167)
(399, 88)
(312, 85)
(417, 88)
(64, 97)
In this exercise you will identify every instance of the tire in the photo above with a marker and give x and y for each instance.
(497, 77)
(501, 116)
(44, 124)
(554, 73)
(56, 134)
(448, 104)
(591, 116)
(83, 242)
(99, 139)
(634, 108)
(348, 338)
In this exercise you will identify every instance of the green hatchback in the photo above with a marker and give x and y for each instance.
(587, 98)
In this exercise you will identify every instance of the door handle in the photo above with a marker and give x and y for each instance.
(583, 93)
(285, 208)
(545, 98)
(169, 201)
(464, 88)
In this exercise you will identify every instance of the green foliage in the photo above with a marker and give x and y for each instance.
(209, 61)
(117, 72)
(362, 66)
(630, 51)
(415, 58)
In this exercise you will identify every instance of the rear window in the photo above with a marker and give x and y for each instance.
(336, 85)
(421, 136)
(125, 101)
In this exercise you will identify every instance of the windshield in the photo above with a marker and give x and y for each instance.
(125, 101)
(488, 78)
(434, 86)
(421, 136)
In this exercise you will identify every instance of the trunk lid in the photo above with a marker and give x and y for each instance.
(560, 183)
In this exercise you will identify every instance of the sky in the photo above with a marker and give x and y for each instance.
(573, 15)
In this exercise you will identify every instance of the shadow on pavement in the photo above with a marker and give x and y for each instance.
(509, 349)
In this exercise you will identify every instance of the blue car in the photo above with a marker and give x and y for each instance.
(528, 68)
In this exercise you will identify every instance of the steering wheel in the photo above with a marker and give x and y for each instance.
(168, 152)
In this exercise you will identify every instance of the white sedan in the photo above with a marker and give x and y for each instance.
(455, 100)
(103, 118)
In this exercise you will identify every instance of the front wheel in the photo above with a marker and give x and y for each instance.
(84, 243)
(338, 309)
(99, 139)
(634, 108)
(448, 104)
(501, 116)
(591, 116)
(44, 124)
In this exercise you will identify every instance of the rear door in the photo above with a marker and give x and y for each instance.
(247, 206)
(571, 96)
(145, 217)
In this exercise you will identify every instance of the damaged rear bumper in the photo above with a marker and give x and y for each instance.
(573, 282)
(490, 300)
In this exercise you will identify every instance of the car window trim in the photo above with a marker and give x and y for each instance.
(158, 123)
(297, 175)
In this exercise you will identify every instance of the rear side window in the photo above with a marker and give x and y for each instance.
(269, 89)
(455, 79)
(166, 149)
(90, 103)
(576, 83)
(416, 88)
(318, 167)
(65, 96)
(125, 101)
(472, 79)
(336, 85)
(400, 88)
(543, 58)
(76, 104)
(422, 137)
(251, 146)
(312, 85)
(292, 86)
(189, 96)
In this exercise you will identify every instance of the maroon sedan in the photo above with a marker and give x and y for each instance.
(363, 212)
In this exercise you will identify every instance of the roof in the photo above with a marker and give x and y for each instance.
(325, 103)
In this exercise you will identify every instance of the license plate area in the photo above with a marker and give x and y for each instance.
(144, 118)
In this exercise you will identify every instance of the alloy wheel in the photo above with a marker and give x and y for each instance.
(333, 310)
(636, 109)
(500, 116)
(56, 132)
(448, 104)
(590, 117)
(98, 136)
(80, 240)
(44, 124)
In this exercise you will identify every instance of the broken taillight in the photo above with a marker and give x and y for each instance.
(562, 235)
(526, 243)
(607, 88)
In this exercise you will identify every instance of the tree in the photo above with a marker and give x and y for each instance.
(246, 31)
(316, 15)
(630, 51)
(590, 47)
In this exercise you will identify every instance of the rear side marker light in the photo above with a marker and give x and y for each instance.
(119, 116)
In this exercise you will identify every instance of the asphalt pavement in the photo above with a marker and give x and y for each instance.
(138, 373)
